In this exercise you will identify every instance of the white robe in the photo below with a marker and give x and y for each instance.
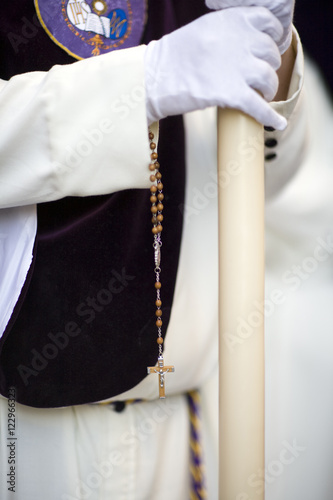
(142, 453)
(299, 341)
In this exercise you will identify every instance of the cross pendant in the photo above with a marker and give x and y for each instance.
(161, 370)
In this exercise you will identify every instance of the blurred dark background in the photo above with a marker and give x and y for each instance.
(314, 22)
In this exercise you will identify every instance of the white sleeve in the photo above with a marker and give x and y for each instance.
(286, 156)
(77, 130)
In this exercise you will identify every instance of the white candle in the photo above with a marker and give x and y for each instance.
(241, 293)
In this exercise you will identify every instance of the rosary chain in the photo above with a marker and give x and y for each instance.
(156, 198)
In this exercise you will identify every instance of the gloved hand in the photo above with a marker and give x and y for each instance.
(220, 59)
(282, 9)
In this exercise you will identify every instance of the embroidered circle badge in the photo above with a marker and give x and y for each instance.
(86, 28)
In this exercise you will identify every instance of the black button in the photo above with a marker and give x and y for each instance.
(269, 129)
(119, 406)
(270, 157)
(271, 143)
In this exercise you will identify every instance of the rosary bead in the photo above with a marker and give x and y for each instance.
(153, 189)
(159, 228)
(154, 156)
(160, 186)
(158, 312)
(158, 285)
(159, 217)
(157, 165)
(154, 230)
(153, 209)
(151, 136)
(154, 220)
(158, 175)
(158, 303)
(159, 340)
(152, 178)
(159, 323)
(152, 167)
(160, 207)
(153, 199)
(160, 196)
(152, 145)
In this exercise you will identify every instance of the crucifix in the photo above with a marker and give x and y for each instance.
(160, 369)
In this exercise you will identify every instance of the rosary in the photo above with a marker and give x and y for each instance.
(156, 198)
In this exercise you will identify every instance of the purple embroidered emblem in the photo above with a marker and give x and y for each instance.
(86, 28)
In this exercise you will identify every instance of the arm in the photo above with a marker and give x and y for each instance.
(81, 129)
(63, 132)
(68, 131)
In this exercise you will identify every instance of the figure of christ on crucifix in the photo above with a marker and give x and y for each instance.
(160, 369)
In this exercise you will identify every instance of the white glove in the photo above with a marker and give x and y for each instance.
(282, 9)
(220, 59)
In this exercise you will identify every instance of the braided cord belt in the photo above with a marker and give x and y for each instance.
(198, 488)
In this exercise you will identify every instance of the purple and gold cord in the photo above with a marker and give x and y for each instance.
(198, 488)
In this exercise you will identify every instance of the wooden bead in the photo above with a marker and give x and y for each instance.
(159, 340)
(156, 218)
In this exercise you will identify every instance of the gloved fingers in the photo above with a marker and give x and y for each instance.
(185, 72)
(263, 20)
(281, 8)
(261, 111)
(267, 50)
(264, 79)
(218, 4)
(285, 43)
